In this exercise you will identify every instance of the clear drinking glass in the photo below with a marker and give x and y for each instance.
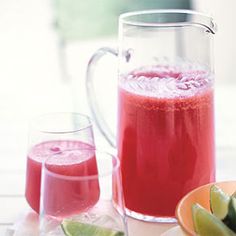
(83, 186)
(165, 129)
(50, 134)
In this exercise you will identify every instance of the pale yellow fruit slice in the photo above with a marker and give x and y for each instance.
(219, 202)
(206, 224)
(230, 219)
(75, 228)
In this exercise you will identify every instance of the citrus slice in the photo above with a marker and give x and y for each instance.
(75, 228)
(206, 224)
(234, 194)
(230, 219)
(219, 202)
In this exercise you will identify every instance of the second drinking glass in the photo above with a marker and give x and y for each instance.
(80, 192)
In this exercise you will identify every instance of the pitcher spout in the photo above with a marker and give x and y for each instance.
(203, 20)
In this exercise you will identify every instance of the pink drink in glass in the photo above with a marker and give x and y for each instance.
(165, 136)
(39, 153)
(70, 184)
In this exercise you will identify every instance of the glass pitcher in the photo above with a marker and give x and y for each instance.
(165, 130)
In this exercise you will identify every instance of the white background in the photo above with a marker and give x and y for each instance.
(31, 83)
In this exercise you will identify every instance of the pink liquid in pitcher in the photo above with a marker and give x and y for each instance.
(165, 136)
(67, 191)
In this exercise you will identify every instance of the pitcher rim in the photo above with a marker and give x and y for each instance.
(202, 19)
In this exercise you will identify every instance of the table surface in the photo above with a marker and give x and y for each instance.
(32, 84)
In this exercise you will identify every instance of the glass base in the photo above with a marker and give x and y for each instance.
(147, 218)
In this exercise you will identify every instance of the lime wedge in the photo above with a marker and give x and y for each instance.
(219, 202)
(234, 194)
(206, 224)
(75, 228)
(230, 219)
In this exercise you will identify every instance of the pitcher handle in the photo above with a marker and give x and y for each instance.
(98, 117)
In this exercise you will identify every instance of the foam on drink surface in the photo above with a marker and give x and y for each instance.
(70, 157)
(167, 81)
(56, 148)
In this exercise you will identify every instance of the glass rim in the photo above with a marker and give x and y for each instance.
(202, 19)
(84, 177)
(34, 120)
